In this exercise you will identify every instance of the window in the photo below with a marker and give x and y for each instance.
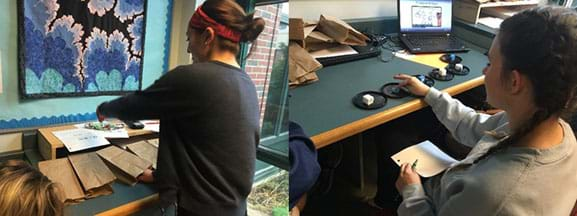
(267, 64)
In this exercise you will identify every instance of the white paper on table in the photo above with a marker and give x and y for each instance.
(491, 22)
(118, 133)
(80, 139)
(339, 50)
(403, 54)
(431, 160)
(151, 125)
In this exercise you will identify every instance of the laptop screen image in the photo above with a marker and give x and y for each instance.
(425, 16)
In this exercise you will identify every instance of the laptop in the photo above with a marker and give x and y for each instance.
(425, 26)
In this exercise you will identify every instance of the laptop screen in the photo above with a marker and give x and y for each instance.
(425, 16)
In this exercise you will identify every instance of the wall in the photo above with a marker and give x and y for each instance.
(17, 113)
(181, 13)
(343, 9)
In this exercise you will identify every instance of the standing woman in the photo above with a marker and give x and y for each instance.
(524, 160)
(209, 116)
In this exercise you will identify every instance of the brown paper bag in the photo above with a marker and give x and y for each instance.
(145, 151)
(94, 175)
(100, 191)
(300, 29)
(153, 142)
(319, 41)
(60, 171)
(302, 65)
(126, 166)
(341, 31)
(319, 37)
(308, 78)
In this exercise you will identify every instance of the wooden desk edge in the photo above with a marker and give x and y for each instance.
(328, 137)
(132, 207)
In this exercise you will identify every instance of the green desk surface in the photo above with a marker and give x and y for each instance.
(327, 104)
(123, 194)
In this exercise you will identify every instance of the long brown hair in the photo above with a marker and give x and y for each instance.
(24, 191)
(230, 14)
(541, 43)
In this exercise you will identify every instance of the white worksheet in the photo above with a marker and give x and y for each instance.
(430, 159)
(80, 139)
(151, 125)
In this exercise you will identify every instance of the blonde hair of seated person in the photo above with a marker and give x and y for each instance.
(25, 191)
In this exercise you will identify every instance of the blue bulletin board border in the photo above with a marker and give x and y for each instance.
(44, 121)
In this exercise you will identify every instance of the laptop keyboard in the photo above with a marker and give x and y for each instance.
(433, 40)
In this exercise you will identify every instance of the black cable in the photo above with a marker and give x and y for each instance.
(392, 45)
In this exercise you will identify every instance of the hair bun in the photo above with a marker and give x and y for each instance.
(248, 18)
(253, 28)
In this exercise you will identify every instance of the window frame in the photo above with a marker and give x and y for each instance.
(265, 153)
(272, 156)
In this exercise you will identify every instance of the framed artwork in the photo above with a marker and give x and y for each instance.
(80, 47)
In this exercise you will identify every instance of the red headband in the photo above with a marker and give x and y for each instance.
(200, 21)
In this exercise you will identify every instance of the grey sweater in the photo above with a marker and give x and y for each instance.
(209, 133)
(515, 181)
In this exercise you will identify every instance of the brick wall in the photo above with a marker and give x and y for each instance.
(259, 63)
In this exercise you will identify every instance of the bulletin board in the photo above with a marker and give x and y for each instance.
(80, 48)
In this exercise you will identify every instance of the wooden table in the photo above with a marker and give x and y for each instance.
(125, 200)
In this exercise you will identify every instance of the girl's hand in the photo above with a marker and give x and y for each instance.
(146, 176)
(408, 176)
(412, 84)
(99, 114)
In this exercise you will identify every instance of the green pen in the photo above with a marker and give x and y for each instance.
(414, 164)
